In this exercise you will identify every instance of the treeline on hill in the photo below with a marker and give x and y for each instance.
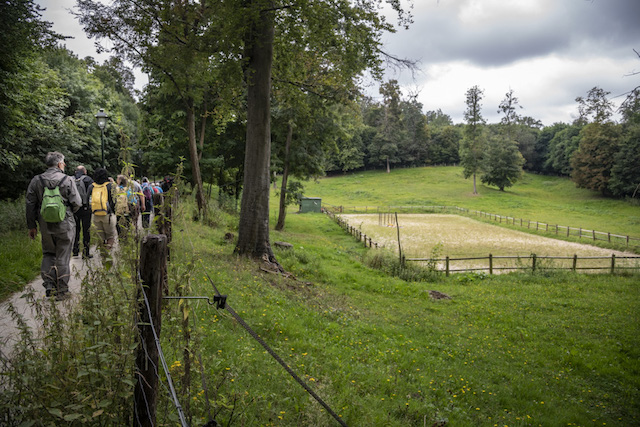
(50, 98)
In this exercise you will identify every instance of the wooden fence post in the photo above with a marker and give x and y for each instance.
(575, 262)
(533, 262)
(153, 262)
(490, 264)
(164, 221)
(613, 263)
(447, 266)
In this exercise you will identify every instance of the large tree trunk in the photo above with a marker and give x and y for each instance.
(203, 127)
(285, 177)
(253, 232)
(195, 164)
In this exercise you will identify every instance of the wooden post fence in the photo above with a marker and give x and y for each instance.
(153, 262)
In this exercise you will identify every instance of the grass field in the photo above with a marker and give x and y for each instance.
(515, 350)
(544, 349)
(547, 199)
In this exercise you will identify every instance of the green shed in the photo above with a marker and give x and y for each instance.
(310, 204)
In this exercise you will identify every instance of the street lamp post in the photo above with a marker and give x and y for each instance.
(102, 117)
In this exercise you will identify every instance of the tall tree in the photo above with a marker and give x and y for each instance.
(390, 131)
(444, 147)
(595, 107)
(503, 163)
(563, 144)
(473, 144)
(175, 42)
(625, 173)
(593, 161)
(415, 150)
(509, 108)
(24, 36)
(253, 231)
(340, 28)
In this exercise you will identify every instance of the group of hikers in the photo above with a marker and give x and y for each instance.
(62, 207)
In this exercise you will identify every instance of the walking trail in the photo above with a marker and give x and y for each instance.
(9, 332)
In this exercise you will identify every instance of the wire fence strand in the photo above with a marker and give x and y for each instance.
(273, 354)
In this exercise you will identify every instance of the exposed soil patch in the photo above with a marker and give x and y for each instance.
(440, 235)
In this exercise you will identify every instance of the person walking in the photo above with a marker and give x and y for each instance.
(128, 201)
(83, 215)
(57, 235)
(103, 207)
(147, 192)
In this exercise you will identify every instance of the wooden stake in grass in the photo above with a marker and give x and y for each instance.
(153, 259)
(399, 245)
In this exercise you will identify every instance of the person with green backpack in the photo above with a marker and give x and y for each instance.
(52, 198)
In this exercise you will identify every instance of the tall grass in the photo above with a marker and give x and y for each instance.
(19, 261)
(12, 215)
(19, 256)
(77, 368)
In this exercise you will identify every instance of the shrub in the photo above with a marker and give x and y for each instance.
(12, 215)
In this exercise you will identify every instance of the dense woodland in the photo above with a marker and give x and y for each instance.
(320, 122)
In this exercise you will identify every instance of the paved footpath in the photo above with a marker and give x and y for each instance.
(9, 332)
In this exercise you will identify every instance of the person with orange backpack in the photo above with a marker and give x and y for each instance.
(102, 207)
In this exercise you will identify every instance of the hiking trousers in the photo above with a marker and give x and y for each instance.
(106, 227)
(83, 223)
(57, 244)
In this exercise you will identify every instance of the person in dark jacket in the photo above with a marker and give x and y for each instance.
(83, 215)
(57, 238)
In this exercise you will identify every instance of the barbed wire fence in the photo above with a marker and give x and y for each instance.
(151, 357)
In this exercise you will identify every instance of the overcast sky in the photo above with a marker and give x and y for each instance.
(548, 51)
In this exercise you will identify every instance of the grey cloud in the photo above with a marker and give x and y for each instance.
(571, 27)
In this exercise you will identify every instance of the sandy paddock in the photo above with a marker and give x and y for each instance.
(462, 237)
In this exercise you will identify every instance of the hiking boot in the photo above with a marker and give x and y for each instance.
(63, 296)
(49, 293)
(87, 256)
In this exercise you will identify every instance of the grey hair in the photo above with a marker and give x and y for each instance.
(53, 158)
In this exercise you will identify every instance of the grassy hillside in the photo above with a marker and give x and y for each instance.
(512, 350)
(552, 200)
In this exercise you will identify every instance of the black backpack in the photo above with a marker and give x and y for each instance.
(82, 189)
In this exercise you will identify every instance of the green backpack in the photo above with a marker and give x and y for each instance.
(52, 208)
